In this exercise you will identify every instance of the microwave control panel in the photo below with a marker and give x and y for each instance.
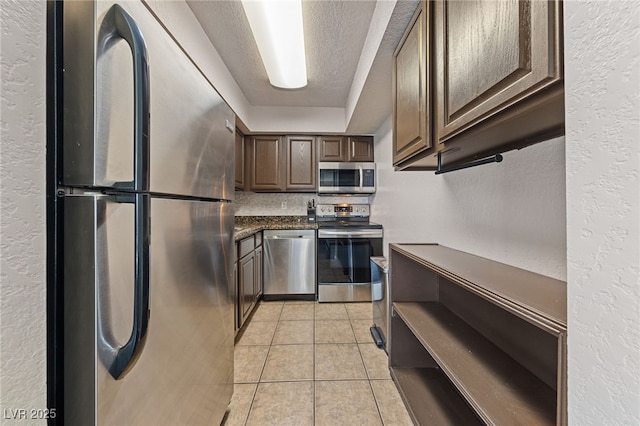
(368, 178)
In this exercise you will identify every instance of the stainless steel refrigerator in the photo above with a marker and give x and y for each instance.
(146, 185)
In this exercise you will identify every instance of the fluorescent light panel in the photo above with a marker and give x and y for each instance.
(277, 29)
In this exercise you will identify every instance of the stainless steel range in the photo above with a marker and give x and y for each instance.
(346, 241)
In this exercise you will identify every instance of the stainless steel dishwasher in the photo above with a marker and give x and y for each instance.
(289, 264)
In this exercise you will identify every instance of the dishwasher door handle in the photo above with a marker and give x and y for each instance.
(289, 237)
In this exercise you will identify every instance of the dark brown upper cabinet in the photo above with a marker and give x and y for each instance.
(492, 55)
(267, 163)
(332, 148)
(345, 148)
(276, 163)
(360, 148)
(497, 78)
(282, 164)
(411, 70)
(240, 162)
(301, 163)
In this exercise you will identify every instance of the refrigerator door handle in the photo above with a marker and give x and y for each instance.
(126, 356)
(119, 24)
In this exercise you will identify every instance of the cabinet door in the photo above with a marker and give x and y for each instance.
(301, 163)
(236, 292)
(267, 163)
(360, 148)
(411, 76)
(332, 148)
(491, 55)
(247, 270)
(240, 161)
(258, 274)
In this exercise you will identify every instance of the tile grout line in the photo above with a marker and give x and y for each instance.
(375, 400)
(279, 321)
(255, 392)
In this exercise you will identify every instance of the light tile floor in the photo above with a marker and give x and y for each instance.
(306, 363)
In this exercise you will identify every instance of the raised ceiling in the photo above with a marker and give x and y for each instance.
(336, 33)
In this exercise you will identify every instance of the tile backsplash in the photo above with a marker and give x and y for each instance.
(271, 204)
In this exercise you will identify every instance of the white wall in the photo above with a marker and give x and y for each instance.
(185, 28)
(602, 72)
(22, 210)
(296, 120)
(512, 212)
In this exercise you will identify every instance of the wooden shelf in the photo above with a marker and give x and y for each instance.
(532, 296)
(431, 398)
(499, 389)
(496, 334)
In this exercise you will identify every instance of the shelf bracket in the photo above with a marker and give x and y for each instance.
(440, 170)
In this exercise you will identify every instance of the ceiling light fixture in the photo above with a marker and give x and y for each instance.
(277, 29)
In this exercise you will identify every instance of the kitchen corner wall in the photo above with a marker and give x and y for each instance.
(23, 327)
(602, 84)
(270, 204)
(513, 212)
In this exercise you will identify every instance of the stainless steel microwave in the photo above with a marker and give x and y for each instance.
(346, 178)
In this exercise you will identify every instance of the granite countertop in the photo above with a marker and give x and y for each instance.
(248, 225)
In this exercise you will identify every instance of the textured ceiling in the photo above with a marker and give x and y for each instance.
(337, 33)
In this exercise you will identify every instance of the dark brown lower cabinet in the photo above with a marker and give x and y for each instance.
(474, 341)
(246, 283)
(249, 276)
(259, 275)
(234, 295)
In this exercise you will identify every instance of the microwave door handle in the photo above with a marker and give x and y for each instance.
(361, 177)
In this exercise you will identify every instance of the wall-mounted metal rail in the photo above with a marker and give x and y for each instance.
(440, 170)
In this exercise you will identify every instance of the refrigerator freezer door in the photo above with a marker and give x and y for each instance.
(191, 129)
(184, 374)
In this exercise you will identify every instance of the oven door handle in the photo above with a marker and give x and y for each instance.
(368, 233)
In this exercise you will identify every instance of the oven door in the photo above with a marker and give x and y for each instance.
(344, 268)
